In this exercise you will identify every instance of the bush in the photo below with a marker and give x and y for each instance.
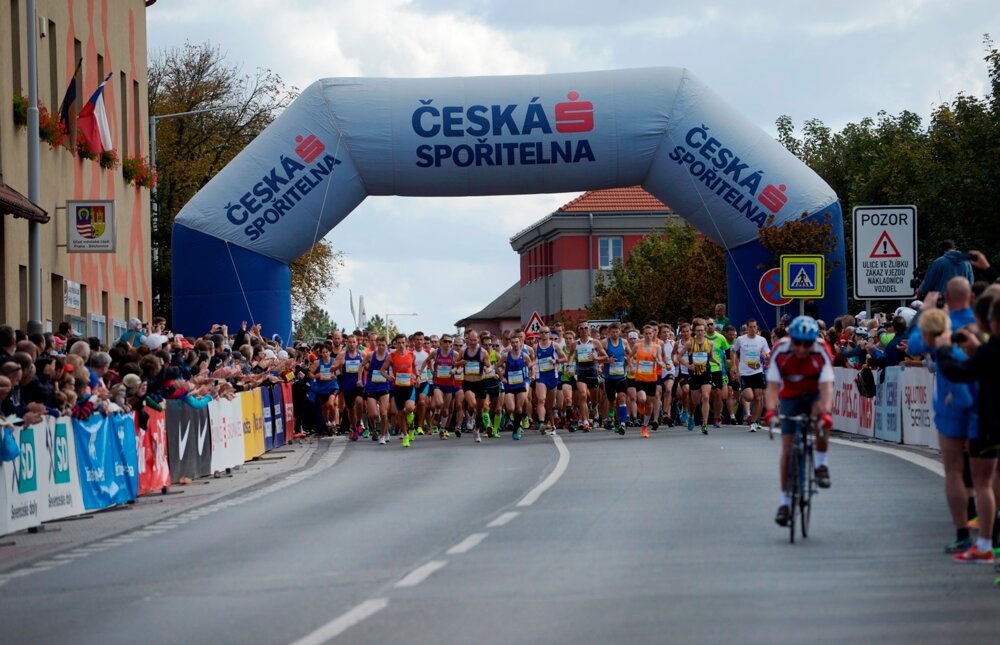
(137, 171)
(109, 159)
(49, 129)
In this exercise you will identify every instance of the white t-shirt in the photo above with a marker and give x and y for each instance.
(751, 352)
(418, 361)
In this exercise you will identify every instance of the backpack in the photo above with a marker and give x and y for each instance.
(865, 382)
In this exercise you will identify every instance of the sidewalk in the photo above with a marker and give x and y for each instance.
(23, 548)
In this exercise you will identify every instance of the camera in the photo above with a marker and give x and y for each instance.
(918, 278)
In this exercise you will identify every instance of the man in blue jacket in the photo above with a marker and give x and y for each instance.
(955, 407)
(952, 263)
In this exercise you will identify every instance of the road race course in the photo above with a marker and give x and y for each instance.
(626, 540)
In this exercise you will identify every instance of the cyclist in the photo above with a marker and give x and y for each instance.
(800, 378)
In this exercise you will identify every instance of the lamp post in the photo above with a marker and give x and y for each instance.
(388, 322)
(154, 207)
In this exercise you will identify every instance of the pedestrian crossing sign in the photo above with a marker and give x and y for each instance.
(802, 276)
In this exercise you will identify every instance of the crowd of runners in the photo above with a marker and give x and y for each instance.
(619, 376)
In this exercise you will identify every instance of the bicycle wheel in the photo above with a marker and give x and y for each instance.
(808, 483)
(793, 492)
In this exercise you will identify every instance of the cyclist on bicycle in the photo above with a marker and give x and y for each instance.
(800, 378)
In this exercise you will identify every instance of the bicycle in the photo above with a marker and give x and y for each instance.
(801, 484)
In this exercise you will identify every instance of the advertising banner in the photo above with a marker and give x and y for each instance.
(286, 397)
(917, 398)
(227, 433)
(852, 412)
(19, 483)
(60, 495)
(253, 424)
(126, 453)
(151, 447)
(887, 410)
(189, 445)
(101, 462)
(278, 403)
(265, 397)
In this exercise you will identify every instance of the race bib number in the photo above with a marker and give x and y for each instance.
(617, 369)
(377, 377)
(545, 364)
(325, 376)
(459, 373)
(352, 367)
(515, 378)
(584, 354)
(404, 379)
(444, 371)
(646, 367)
(752, 360)
(571, 369)
(472, 368)
(700, 358)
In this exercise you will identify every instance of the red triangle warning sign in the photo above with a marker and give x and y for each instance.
(884, 248)
(534, 326)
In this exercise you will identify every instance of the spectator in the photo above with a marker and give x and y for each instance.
(952, 263)
(895, 350)
(8, 341)
(721, 319)
(133, 335)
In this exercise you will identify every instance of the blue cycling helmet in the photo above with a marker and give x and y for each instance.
(804, 328)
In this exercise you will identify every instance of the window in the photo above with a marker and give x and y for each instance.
(99, 326)
(118, 328)
(135, 118)
(53, 68)
(79, 325)
(609, 250)
(123, 117)
(15, 46)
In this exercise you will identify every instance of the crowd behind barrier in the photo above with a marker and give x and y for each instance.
(69, 466)
(900, 412)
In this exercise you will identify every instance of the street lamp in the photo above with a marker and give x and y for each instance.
(388, 321)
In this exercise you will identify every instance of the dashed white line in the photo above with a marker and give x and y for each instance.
(932, 465)
(467, 544)
(503, 519)
(342, 623)
(553, 477)
(421, 573)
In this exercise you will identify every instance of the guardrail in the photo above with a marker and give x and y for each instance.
(70, 467)
(902, 410)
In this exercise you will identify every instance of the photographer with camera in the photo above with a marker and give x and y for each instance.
(952, 263)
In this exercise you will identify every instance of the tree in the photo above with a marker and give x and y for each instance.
(676, 273)
(314, 323)
(803, 236)
(191, 149)
(377, 324)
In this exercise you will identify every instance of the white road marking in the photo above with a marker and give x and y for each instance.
(467, 544)
(342, 623)
(932, 465)
(503, 519)
(553, 477)
(420, 574)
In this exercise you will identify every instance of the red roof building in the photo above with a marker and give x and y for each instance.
(563, 254)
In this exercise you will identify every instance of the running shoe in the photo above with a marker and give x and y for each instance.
(645, 432)
(442, 435)
(354, 436)
(717, 424)
(655, 425)
(974, 555)
(621, 429)
(412, 434)
(784, 514)
(754, 426)
(406, 440)
(704, 429)
(494, 434)
(684, 417)
(479, 437)
(823, 477)
(366, 434)
(383, 441)
(958, 546)
(690, 422)
(586, 426)
(420, 431)
(516, 436)
(524, 423)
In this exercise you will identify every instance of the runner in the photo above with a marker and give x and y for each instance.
(377, 386)
(682, 386)
(442, 364)
(404, 376)
(665, 384)
(348, 367)
(717, 369)
(548, 357)
(588, 354)
(698, 356)
(615, 382)
(514, 364)
(424, 378)
(750, 352)
(458, 401)
(326, 386)
(567, 389)
(476, 362)
(648, 356)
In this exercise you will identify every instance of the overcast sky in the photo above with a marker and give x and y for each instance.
(836, 61)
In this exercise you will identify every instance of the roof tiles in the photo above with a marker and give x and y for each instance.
(615, 200)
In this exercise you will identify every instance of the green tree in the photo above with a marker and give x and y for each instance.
(314, 323)
(377, 324)
(191, 149)
(675, 273)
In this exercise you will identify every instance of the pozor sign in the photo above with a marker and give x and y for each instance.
(885, 251)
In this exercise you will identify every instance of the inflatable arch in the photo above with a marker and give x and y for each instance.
(343, 139)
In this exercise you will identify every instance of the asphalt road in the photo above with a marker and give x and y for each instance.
(616, 540)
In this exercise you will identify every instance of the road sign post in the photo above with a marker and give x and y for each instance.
(770, 291)
(803, 277)
(885, 251)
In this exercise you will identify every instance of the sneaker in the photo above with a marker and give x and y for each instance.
(621, 429)
(366, 434)
(754, 427)
(413, 434)
(516, 436)
(958, 546)
(655, 425)
(823, 477)
(704, 429)
(479, 437)
(690, 422)
(586, 426)
(383, 441)
(974, 555)
(442, 435)
(420, 431)
(354, 436)
(406, 440)
(645, 432)
(784, 514)
(717, 424)
(684, 418)
(494, 434)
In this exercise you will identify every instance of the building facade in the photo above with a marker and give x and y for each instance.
(563, 255)
(500, 315)
(96, 292)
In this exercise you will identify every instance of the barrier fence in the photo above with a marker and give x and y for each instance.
(902, 410)
(70, 467)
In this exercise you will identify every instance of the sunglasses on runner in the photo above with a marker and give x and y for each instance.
(802, 343)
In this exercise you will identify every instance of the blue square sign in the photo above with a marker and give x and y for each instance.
(802, 276)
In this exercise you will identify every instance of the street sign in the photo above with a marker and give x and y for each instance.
(885, 251)
(770, 288)
(802, 276)
(534, 326)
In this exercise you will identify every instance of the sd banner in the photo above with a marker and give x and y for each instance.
(253, 424)
(265, 396)
(277, 402)
(189, 445)
(102, 462)
(227, 433)
(19, 483)
(60, 495)
(151, 446)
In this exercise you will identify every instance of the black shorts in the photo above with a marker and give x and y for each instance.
(649, 387)
(492, 386)
(570, 381)
(351, 396)
(753, 382)
(592, 382)
(717, 380)
(984, 448)
(614, 387)
(478, 388)
(696, 381)
(400, 395)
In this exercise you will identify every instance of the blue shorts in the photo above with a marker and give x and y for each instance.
(793, 407)
(445, 389)
(551, 382)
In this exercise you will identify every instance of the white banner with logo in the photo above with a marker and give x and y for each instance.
(852, 412)
(19, 482)
(227, 433)
(917, 399)
(887, 410)
(58, 477)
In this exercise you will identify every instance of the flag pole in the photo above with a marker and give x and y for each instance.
(34, 228)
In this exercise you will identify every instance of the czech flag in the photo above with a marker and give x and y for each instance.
(93, 121)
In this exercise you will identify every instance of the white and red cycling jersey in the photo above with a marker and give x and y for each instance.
(800, 376)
